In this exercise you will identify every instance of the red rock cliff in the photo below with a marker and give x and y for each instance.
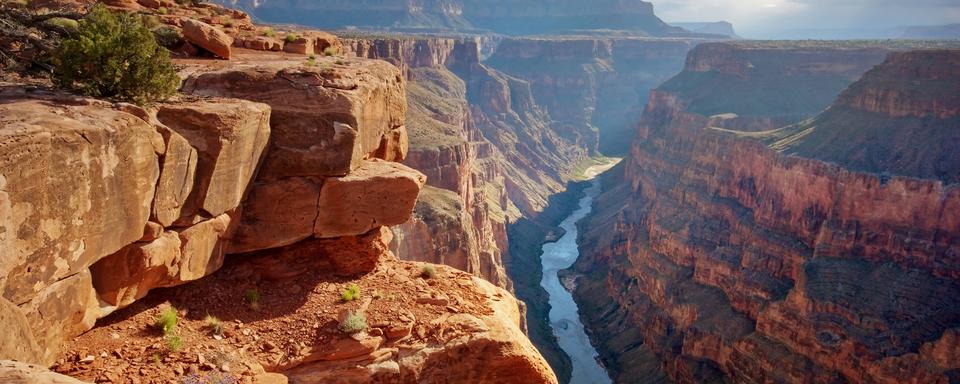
(712, 255)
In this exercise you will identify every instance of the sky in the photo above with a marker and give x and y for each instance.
(783, 18)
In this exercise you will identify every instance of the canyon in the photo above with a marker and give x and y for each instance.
(729, 249)
(785, 211)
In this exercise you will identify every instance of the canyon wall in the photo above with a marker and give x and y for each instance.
(712, 257)
(593, 88)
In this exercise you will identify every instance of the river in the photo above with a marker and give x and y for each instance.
(564, 315)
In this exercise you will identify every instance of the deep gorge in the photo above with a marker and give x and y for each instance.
(377, 201)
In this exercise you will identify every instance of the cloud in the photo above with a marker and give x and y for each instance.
(765, 17)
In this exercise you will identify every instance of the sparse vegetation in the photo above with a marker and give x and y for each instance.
(269, 32)
(428, 272)
(330, 51)
(355, 322)
(214, 324)
(163, 10)
(312, 60)
(351, 293)
(115, 56)
(253, 298)
(291, 38)
(174, 343)
(63, 24)
(155, 358)
(167, 321)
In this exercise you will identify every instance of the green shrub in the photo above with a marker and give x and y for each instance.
(330, 51)
(269, 32)
(115, 56)
(253, 298)
(64, 24)
(355, 322)
(293, 37)
(167, 320)
(351, 293)
(312, 61)
(163, 10)
(174, 343)
(214, 324)
(428, 272)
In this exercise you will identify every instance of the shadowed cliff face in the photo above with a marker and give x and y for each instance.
(512, 17)
(713, 257)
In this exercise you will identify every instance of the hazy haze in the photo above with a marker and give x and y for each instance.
(785, 18)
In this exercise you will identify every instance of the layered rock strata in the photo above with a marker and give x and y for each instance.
(512, 17)
(713, 257)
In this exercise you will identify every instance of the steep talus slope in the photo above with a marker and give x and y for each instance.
(711, 257)
(512, 17)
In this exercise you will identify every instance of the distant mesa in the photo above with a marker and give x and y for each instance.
(510, 17)
(722, 28)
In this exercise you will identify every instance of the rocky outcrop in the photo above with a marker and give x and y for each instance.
(207, 37)
(712, 256)
(67, 219)
(513, 17)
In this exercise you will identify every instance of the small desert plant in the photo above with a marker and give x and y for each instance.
(329, 51)
(253, 298)
(174, 343)
(428, 272)
(155, 358)
(291, 38)
(163, 10)
(214, 324)
(312, 60)
(114, 55)
(351, 293)
(167, 320)
(269, 32)
(355, 322)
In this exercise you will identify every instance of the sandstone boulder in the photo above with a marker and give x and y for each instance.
(128, 275)
(207, 37)
(303, 45)
(16, 336)
(178, 169)
(229, 137)
(277, 213)
(76, 184)
(378, 193)
(324, 121)
(203, 246)
(259, 43)
(63, 310)
(172, 259)
(12, 372)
